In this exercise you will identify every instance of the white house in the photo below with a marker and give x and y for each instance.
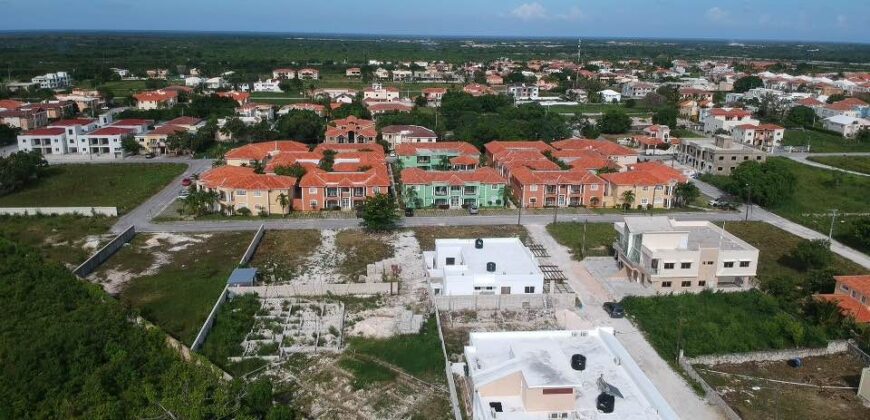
(610, 96)
(377, 92)
(524, 92)
(271, 85)
(106, 141)
(716, 119)
(637, 89)
(847, 126)
(683, 256)
(57, 80)
(542, 375)
(193, 81)
(766, 137)
(216, 83)
(483, 266)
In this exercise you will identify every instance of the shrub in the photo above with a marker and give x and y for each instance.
(243, 211)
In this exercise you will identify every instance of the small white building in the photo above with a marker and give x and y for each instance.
(216, 83)
(193, 81)
(726, 119)
(271, 85)
(847, 126)
(543, 375)
(609, 96)
(483, 266)
(59, 80)
(524, 92)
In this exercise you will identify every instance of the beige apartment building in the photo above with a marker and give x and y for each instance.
(717, 156)
(683, 256)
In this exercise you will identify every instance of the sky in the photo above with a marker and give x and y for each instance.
(798, 20)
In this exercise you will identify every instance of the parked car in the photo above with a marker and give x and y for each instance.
(409, 212)
(184, 193)
(186, 182)
(614, 309)
(472, 209)
(150, 155)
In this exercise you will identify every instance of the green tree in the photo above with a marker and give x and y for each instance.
(670, 93)
(380, 213)
(19, 169)
(328, 160)
(861, 230)
(284, 202)
(746, 83)
(837, 97)
(420, 101)
(769, 184)
(295, 170)
(236, 129)
(627, 199)
(590, 131)
(614, 121)
(801, 116)
(812, 255)
(686, 193)
(304, 126)
(666, 116)
(8, 134)
(130, 146)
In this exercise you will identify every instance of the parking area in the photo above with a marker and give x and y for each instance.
(614, 279)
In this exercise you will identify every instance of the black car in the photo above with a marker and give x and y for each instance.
(614, 309)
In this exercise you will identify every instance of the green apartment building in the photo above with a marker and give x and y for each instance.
(455, 155)
(483, 187)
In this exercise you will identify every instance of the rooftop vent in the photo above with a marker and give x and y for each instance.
(478, 243)
(578, 362)
(605, 403)
(490, 266)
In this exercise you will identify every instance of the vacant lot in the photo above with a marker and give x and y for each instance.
(359, 249)
(595, 238)
(173, 280)
(232, 323)
(818, 192)
(121, 185)
(417, 354)
(821, 142)
(282, 254)
(426, 236)
(753, 397)
(68, 240)
(849, 163)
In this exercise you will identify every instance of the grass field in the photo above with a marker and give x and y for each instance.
(283, 253)
(180, 290)
(121, 185)
(417, 354)
(361, 248)
(849, 163)
(59, 239)
(366, 374)
(426, 236)
(823, 142)
(818, 192)
(232, 323)
(599, 238)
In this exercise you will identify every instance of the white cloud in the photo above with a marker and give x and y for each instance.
(573, 13)
(717, 14)
(530, 11)
(842, 22)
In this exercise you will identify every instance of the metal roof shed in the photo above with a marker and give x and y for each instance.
(242, 277)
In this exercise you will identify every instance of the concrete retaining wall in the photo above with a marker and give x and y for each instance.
(506, 302)
(252, 247)
(838, 346)
(105, 252)
(709, 393)
(81, 211)
(206, 326)
(319, 289)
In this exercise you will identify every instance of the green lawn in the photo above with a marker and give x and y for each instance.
(417, 354)
(121, 88)
(818, 192)
(366, 374)
(599, 238)
(59, 239)
(849, 163)
(182, 291)
(821, 142)
(121, 185)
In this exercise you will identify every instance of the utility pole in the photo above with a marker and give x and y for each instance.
(833, 219)
(555, 211)
(583, 244)
(748, 200)
(520, 214)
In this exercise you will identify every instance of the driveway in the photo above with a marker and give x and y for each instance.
(593, 294)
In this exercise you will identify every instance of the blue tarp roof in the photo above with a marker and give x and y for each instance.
(242, 276)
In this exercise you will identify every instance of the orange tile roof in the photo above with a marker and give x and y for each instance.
(374, 177)
(539, 164)
(846, 104)
(733, 112)
(156, 96)
(110, 131)
(184, 121)
(632, 178)
(417, 176)
(167, 129)
(242, 178)
(51, 131)
(259, 151)
(663, 172)
(359, 126)
(859, 283)
(389, 106)
(11, 104)
(848, 306)
(496, 146)
(527, 176)
(237, 96)
(350, 147)
(606, 148)
(461, 147)
(464, 160)
(71, 122)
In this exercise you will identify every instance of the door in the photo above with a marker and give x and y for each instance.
(345, 203)
(454, 201)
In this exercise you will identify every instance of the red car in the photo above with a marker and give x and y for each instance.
(186, 182)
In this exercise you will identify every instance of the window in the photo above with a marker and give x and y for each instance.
(669, 266)
(646, 188)
(469, 190)
(529, 289)
(312, 190)
(494, 186)
(702, 283)
(593, 187)
(666, 284)
(551, 189)
(733, 157)
(685, 265)
(548, 391)
(450, 261)
(440, 190)
(332, 192)
(686, 284)
(745, 157)
(644, 201)
(709, 263)
(533, 187)
(844, 287)
(258, 193)
(241, 192)
(533, 200)
(313, 204)
(744, 264)
(719, 169)
(721, 157)
(758, 158)
(729, 264)
(359, 191)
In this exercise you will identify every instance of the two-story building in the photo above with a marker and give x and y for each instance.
(852, 295)
(377, 92)
(725, 119)
(557, 188)
(482, 187)
(351, 130)
(450, 155)
(240, 187)
(717, 156)
(651, 184)
(433, 96)
(524, 92)
(158, 99)
(395, 135)
(322, 190)
(766, 137)
(683, 256)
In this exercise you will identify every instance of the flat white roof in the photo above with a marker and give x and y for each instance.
(510, 256)
(701, 234)
(544, 357)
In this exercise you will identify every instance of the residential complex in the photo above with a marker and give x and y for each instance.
(351, 130)
(455, 155)
(483, 266)
(683, 256)
(558, 375)
(482, 187)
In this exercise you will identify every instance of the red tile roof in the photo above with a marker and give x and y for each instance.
(236, 96)
(526, 176)
(71, 122)
(342, 127)
(10, 104)
(632, 178)
(434, 90)
(848, 306)
(110, 131)
(464, 160)
(496, 146)
(374, 177)
(663, 172)
(810, 102)
(389, 106)
(460, 147)
(646, 173)
(259, 151)
(53, 131)
(132, 122)
(167, 130)
(350, 147)
(417, 176)
(859, 283)
(846, 104)
(733, 112)
(184, 121)
(237, 177)
(604, 147)
(156, 96)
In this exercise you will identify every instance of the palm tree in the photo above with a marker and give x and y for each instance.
(627, 199)
(283, 201)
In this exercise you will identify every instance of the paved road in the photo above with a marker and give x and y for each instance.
(758, 213)
(673, 388)
(802, 158)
